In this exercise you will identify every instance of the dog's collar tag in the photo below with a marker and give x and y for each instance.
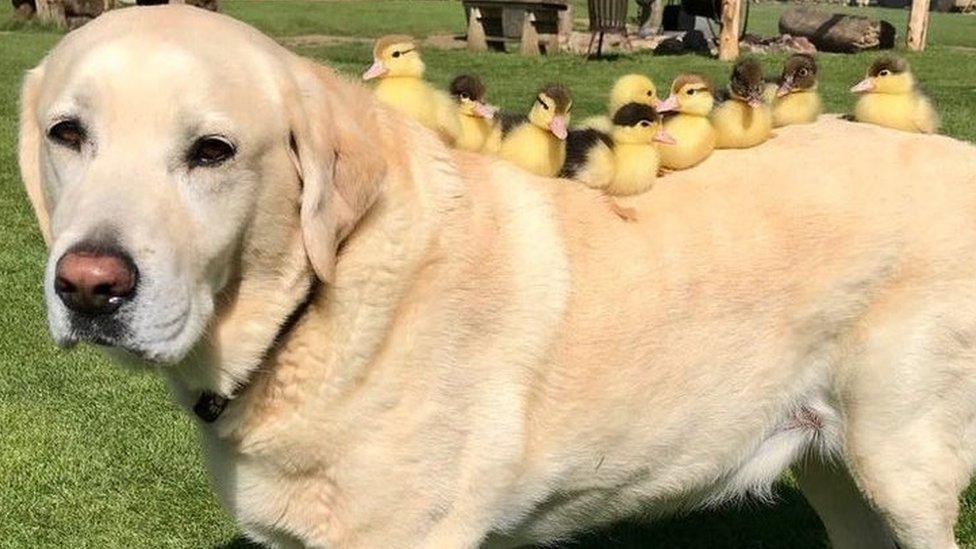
(209, 406)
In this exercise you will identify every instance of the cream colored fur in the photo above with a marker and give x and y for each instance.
(496, 358)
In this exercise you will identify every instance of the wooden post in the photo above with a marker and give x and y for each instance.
(476, 31)
(52, 11)
(530, 37)
(728, 37)
(564, 24)
(918, 25)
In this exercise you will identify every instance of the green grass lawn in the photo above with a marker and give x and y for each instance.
(93, 456)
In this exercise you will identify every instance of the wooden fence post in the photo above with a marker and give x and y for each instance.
(918, 25)
(728, 37)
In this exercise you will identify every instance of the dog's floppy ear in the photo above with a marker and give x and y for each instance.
(335, 139)
(29, 150)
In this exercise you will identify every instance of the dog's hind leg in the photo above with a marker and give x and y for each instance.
(908, 401)
(850, 521)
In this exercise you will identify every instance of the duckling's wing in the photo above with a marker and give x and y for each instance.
(924, 115)
(599, 123)
(578, 145)
(445, 113)
(510, 119)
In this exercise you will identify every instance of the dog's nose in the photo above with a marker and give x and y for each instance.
(94, 282)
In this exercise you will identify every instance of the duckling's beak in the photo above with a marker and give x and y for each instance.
(784, 89)
(864, 86)
(663, 137)
(558, 126)
(484, 110)
(668, 105)
(375, 70)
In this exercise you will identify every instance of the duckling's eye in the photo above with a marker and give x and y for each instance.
(68, 133)
(650, 93)
(691, 92)
(884, 72)
(463, 95)
(644, 123)
(397, 54)
(803, 72)
(543, 103)
(209, 151)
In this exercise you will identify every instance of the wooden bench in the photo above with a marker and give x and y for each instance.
(527, 22)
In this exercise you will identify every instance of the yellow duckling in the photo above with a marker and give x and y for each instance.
(797, 100)
(479, 129)
(538, 144)
(744, 120)
(397, 65)
(629, 88)
(890, 98)
(626, 161)
(693, 97)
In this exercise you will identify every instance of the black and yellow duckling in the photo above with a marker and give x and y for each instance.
(400, 70)
(890, 98)
(692, 97)
(797, 100)
(626, 161)
(538, 143)
(629, 88)
(480, 131)
(744, 120)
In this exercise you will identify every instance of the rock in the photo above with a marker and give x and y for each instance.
(670, 46)
(205, 4)
(837, 32)
(24, 9)
(694, 40)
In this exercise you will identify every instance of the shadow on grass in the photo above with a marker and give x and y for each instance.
(789, 523)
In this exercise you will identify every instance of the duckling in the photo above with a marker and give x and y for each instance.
(797, 100)
(626, 161)
(744, 120)
(400, 70)
(629, 88)
(692, 96)
(538, 144)
(890, 98)
(479, 129)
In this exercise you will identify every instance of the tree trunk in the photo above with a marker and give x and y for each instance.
(837, 32)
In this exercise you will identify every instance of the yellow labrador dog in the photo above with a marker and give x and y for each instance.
(391, 344)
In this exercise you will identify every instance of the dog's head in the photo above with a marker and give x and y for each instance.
(190, 177)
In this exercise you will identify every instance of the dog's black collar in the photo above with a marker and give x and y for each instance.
(210, 405)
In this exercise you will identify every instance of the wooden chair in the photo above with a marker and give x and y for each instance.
(607, 16)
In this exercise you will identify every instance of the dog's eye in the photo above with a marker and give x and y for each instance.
(209, 151)
(68, 133)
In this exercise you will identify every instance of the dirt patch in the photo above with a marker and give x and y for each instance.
(445, 42)
(436, 41)
(321, 40)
